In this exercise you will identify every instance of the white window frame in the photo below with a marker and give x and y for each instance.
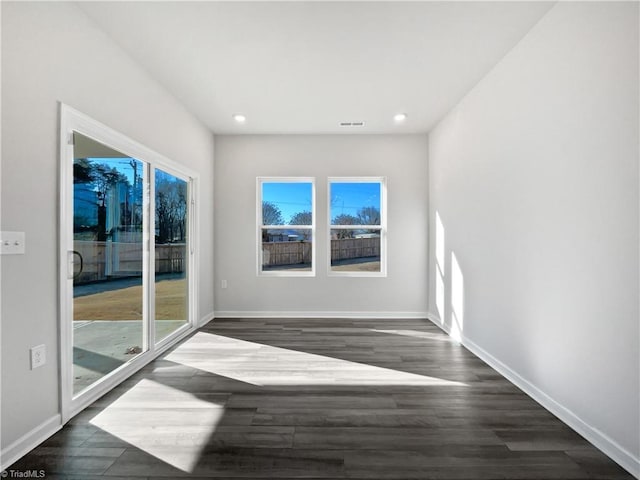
(259, 227)
(382, 227)
(72, 121)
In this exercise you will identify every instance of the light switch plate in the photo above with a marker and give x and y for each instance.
(12, 243)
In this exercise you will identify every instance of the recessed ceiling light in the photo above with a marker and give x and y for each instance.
(238, 117)
(399, 117)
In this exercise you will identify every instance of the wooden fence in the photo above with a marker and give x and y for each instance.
(346, 248)
(104, 260)
(293, 253)
(170, 257)
(285, 253)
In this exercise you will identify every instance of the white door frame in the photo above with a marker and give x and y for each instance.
(71, 121)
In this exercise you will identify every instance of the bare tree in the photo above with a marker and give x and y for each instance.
(345, 219)
(271, 214)
(102, 179)
(302, 218)
(171, 208)
(369, 216)
(82, 170)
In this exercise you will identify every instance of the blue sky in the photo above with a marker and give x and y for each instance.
(290, 198)
(121, 164)
(346, 198)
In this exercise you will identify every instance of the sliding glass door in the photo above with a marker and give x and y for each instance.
(108, 256)
(126, 257)
(171, 253)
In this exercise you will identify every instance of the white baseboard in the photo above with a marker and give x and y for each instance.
(620, 455)
(437, 321)
(35, 437)
(18, 449)
(206, 319)
(607, 445)
(310, 314)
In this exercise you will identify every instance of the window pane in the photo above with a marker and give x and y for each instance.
(355, 203)
(355, 250)
(286, 249)
(287, 203)
(107, 253)
(171, 259)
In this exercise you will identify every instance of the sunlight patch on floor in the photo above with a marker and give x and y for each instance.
(440, 337)
(169, 424)
(265, 365)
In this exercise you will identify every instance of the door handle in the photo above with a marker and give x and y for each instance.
(71, 254)
(192, 226)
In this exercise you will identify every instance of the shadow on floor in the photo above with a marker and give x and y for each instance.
(95, 361)
(189, 414)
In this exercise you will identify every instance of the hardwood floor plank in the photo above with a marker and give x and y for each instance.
(366, 438)
(310, 401)
(252, 462)
(471, 462)
(65, 464)
(318, 399)
(596, 464)
(344, 417)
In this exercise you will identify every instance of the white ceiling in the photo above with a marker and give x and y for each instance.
(304, 67)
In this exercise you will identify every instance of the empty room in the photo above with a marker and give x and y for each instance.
(321, 240)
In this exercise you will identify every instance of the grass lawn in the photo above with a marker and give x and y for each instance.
(357, 267)
(365, 264)
(361, 264)
(126, 303)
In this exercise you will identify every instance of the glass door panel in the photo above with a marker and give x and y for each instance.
(171, 254)
(108, 290)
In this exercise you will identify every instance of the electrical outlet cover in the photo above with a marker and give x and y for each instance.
(38, 356)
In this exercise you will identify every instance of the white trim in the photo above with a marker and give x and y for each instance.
(355, 227)
(193, 271)
(65, 224)
(107, 383)
(260, 226)
(600, 440)
(87, 126)
(169, 340)
(435, 319)
(206, 319)
(178, 337)
(18, 449)
(382, 227)
(149, 252)
(310, 314)
(286, 227)
(73, 121)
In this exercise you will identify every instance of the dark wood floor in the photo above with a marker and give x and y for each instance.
(321, 398)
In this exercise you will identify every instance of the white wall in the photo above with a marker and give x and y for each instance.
(535, 177)
(51, 52)
(240, 159)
